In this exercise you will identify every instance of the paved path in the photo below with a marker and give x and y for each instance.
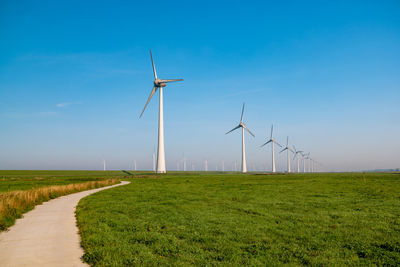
(47, 235)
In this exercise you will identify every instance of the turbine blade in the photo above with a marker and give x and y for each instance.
(266, 143)
(148, 100)
(277, 143)
(249, 131)
(234, 129)
(154, 68)
(287, 141)
(171, 80)
(283, 149)
(241, 117)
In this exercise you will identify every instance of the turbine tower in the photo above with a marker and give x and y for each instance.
(104, 164)
(159, 84)
(308, 158)
(288, 149)
(304, 161)
(298, 159)
(243, 126)
(272, 141)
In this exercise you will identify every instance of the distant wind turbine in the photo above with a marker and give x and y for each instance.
(272, 141)
(308, 158)
(159, 84)
(288, 149)
(298, 158)
(104, 164)
(304, 161)
(243, 126)
(184, 159)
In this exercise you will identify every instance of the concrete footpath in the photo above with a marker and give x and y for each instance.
(47, 235)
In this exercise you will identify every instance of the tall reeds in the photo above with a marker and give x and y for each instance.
(14, 204)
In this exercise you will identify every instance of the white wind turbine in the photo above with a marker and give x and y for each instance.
(304, 161)
(298, 159)
(272, 141)
(288, 149)
(159, 84)
(243, 126)
(309, 159)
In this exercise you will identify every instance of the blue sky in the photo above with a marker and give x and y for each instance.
(75, 75)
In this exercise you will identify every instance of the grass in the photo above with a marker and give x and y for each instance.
(233, 219)
(20, 191)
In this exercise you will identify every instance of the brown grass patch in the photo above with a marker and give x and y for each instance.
(14, 204)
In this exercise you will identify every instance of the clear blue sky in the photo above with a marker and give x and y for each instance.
(75, 75)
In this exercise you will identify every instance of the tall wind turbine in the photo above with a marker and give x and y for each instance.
(243, 126)
(272, 141)
(298, 158)
(159, 84)
(288, 149)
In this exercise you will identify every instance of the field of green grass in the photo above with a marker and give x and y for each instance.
(24, 180)
(254, 219)
(20, 191)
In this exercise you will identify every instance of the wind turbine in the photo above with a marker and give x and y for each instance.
(304, 161)
(243, 126)
(159, 84)
(184, 159)
(104, 164)
(288, 149)
(298, 159)
(308, 158)
(272, 141)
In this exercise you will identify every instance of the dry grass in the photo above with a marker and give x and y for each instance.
(14, 204)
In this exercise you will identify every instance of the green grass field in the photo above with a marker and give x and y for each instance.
(233, 219)
(24, 180)
(20, 191)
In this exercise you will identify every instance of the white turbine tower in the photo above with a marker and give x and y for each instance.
(243, 126)
(304, 161)
(159, 84)
(308, 158)
(298, 158)
(287, 148)
(206, 165)
(272, 141)
(104, 164)
(184, 159)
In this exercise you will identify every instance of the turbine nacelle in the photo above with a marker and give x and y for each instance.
(159, 83)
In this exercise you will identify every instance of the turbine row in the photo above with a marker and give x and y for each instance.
(273, 142)
(159, 84)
